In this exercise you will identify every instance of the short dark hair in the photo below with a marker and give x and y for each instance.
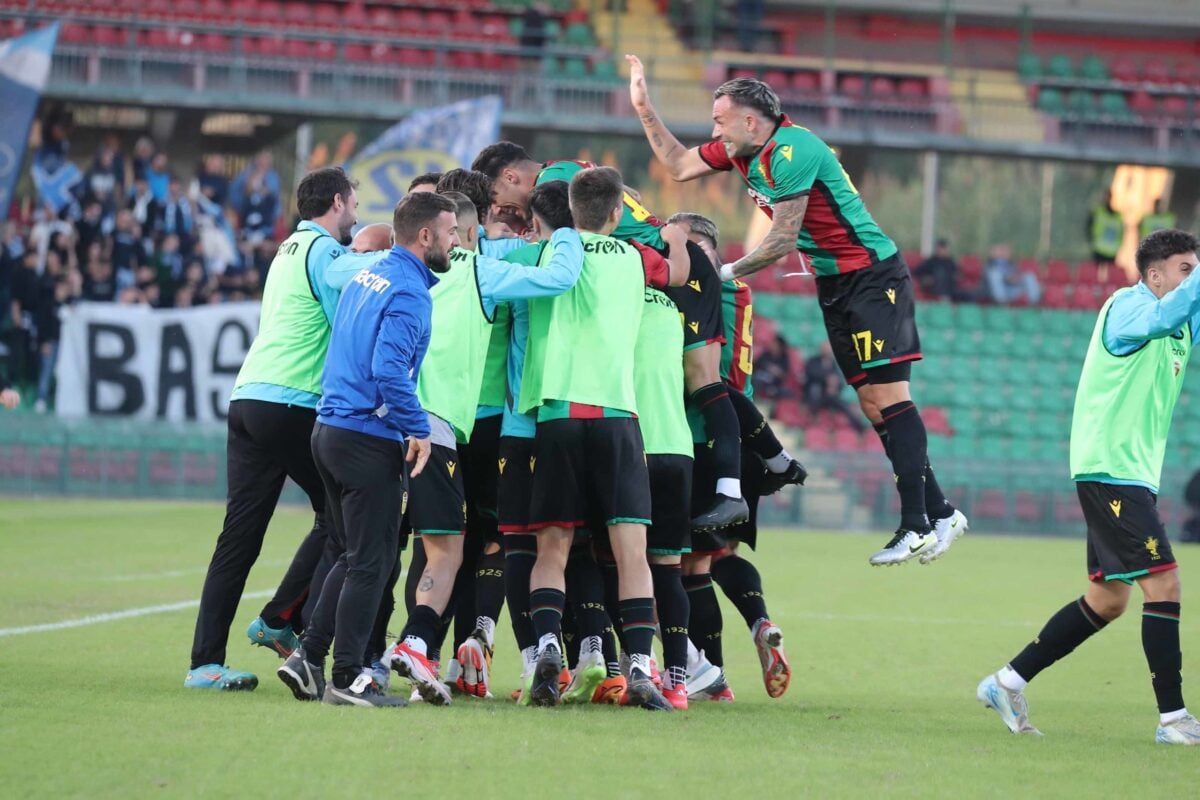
(1163, 244)
(754, 94)
(474, 185)
(429, 177)
(595, 192)
(495, 157)
(314, 197)
(697, 224)
(552, 202)
(462, 203)
(417, 211)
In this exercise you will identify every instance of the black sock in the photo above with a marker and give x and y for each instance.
(612, 661)
(520, 554)
(1160, 641)
(742, 584)
(612, 601)
(415, 567)
(673, 610)
(585, 594)
(756, 431)
(489, 585)
(704, 619)
(1067, 629)
(570, 637)
(906, 447)
(546, 611)
(637, 623)
(425, 624)
(881, 431)
(936, 504)
(721, 426)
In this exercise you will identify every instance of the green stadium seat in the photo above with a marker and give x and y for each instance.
(605, 71)
(968, 317)
(574, 68)
(1060, 66)
(1093, 69)
(1113, 104)
(1050, 100)
(578, 34)
(1081, 102)
(1029, 67)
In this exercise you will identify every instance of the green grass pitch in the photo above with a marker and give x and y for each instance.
(882, 699)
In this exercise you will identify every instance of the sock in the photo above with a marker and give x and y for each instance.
(489, 590)
(757, 434)
(730, 487)
(591, 644)
(569, 635)
(881, 432)
(608, 646)
(641, 663)
(704, 621)
(612, 602)
(585, 595)
(546, 610)
(487, 626)
(415, 567)
(1010, 680)
(936, 504)
(528, 658)
(1169, 717)
(906, 447)
(742, 584)
(1160, 641)
(520, 554)
(637, 622)
(673, 610)
(1067, 629)
(422, 628)
(721, 426)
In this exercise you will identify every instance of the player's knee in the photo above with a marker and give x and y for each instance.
(1162, 587)
(1108, 605)
(659, 558)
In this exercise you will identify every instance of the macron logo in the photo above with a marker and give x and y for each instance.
(372, 281)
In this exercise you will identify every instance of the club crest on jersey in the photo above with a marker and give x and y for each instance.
(891, 295)
(450, 465)
(694, 284)
(1115, 505)
(1152, 549)
(501, 464)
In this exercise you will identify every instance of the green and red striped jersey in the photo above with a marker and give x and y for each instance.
(636, 225)
(838, 234)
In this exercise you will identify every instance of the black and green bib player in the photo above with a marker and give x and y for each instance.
(1132, 377)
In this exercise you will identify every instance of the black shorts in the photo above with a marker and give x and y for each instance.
(704, 486)
(699, 302)
(670, 531)
(515, 471)
(436, 499)
(871, 322)
(480, 477)
(589, 469)
(1125, 536)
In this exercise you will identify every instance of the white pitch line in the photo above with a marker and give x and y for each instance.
(113, 616)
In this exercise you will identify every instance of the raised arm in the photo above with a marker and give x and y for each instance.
(779, 241)
(682, 163)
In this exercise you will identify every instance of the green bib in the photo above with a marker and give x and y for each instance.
(293, 333)
(658, 377)
(1108, 229)
(1155, 222)
(1123, 407)
(581, 343)
(459, 333)
(491, 393)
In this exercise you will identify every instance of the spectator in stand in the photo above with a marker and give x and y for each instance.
(823, 387)
(1105, 231)
(143, 154)
(125, 247)
(22, 307)
(104, 182)
(158, 177)
(90, 229)
(1005, 283)
(268, 179)
(100, 283)
(771, 370)
(55, 291)
(12, 250)
(211, 180)
(1159, 219)
(169, 261)
(146, 210)
(257, 209)
(938, 275)
(533, 29)
(178, 219)
(55, 177)
(749, 17)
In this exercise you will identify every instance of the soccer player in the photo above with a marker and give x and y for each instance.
(425, 183)
(271, 415)
(589, 452)
(514, 173)
(449, 390)
(863, 286)
(714, 555)
(369, 409)
(1132, 377)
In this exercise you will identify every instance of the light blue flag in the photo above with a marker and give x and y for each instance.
(431, 140)
(24, 68)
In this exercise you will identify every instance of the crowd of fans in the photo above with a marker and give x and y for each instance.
(131, 229)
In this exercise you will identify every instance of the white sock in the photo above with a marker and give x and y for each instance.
(730, 487)
(641, 662)
(488, 626)
(1171, 716)
(780, 461)
(549, 640)
(529, 658)
(416, 643)
(590, 644)
(1010, 680)
(693, 658)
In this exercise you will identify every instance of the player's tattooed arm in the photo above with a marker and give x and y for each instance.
(684, 164)
(780, 240)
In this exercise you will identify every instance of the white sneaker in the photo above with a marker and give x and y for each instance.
(702, 675)
(1185, 730)
(904, 545)
(1010, 705)
(946, 530)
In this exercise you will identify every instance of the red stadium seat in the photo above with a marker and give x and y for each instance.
(991, 504)
(1187, 73)
(1175, 105)
(1156, 72)
(852, 85)
(1028, 507)
(791, 413)
(1055, 296)
(1141, 102)
(1084, 296)
(357, 51)
(464, 59)
(1086, 273)
(776, 78)
(913, 89)
(1058, 271)
(744, 72)
(818, 438)
(73, 33)
(109, 36)
(1123, 69)
(847, 440)
(355, 16)
(882, 88)
(215, 43)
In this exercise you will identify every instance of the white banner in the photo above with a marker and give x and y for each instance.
(135, 361)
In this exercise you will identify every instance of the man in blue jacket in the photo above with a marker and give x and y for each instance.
(368, 409)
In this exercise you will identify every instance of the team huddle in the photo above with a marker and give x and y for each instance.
(541, 391)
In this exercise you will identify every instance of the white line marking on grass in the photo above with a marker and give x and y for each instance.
(113, 616)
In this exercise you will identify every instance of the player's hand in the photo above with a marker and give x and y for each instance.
(674, 235)
(499, 230)
(10, 399)
(418, 454)
(639, 95)
(725, 273)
